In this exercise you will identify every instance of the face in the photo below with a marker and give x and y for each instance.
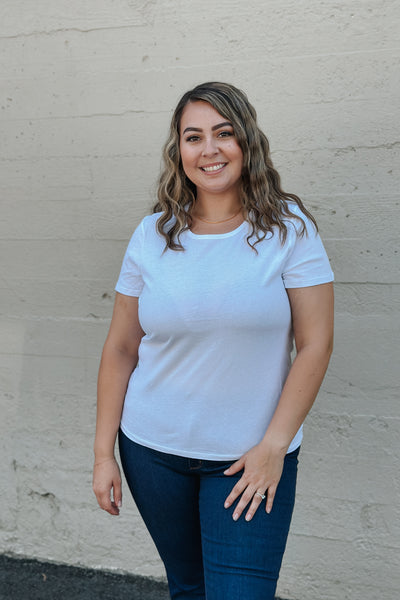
(211, 156)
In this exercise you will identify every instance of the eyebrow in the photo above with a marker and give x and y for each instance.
(223, 124)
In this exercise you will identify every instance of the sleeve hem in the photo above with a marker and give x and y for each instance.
(309, 282)
(135, 293)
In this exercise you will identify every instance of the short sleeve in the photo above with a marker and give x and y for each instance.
(307, 263)
(130, 281)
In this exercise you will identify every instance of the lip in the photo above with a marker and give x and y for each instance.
(213, 167)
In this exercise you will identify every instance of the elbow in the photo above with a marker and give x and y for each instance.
(324, 352)
(329, 346)
(324, 347)
(321, 348)
(116, 352)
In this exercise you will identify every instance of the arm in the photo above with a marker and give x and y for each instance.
(119, 359)
(312, 317)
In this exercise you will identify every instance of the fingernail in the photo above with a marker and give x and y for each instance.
(119, 504)
(235, 517)
(226, 505)
(248, 517)
(225, 472)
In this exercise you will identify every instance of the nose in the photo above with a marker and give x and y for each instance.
(210, 146)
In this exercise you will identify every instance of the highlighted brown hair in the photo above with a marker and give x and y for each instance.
(265, 204)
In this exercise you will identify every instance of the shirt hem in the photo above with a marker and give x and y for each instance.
(193, 454)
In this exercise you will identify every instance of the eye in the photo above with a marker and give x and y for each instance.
(226, 134)
(192, 138)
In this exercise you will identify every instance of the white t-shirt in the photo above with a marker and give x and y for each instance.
(218, 335)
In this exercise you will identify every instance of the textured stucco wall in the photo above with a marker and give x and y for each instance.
(86, 94)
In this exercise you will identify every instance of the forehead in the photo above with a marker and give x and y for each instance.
(200, 114)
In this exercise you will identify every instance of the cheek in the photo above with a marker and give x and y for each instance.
(236, 151)
(237, 155)
(187, 165)
(187, 158)
(183, 160)
(239, 152)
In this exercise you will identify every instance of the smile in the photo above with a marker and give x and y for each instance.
(212, 168)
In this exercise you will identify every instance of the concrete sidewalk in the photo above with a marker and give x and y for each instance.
(23, 579)
(27, 579)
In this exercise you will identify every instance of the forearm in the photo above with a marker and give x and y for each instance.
(115, 369)
(298, 395)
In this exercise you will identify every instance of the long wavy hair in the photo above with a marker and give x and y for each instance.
(265, 204)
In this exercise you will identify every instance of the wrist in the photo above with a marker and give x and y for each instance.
(102, 460)
(103, 453)
(276, 443)
(104, 446)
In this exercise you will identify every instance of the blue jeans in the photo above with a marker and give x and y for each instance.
(206, 554)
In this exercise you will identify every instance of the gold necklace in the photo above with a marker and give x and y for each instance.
(218, 222)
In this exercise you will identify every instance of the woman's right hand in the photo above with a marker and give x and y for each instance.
(107, 485)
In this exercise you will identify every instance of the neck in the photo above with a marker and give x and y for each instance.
(219, 220)
(216, 210)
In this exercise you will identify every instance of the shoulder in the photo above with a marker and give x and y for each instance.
(149, 221)
(146, 227)
(146, 237)
(299, 223)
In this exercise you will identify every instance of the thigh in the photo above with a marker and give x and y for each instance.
(167, 499)
(242, 559)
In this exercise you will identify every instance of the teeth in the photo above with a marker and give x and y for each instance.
(213, 167)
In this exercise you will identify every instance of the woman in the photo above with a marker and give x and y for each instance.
(196, 375)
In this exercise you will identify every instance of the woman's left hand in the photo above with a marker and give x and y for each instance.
(262, 470)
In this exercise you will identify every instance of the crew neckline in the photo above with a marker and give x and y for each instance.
(217, 235)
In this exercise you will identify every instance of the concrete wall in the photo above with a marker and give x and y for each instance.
(87, 90)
